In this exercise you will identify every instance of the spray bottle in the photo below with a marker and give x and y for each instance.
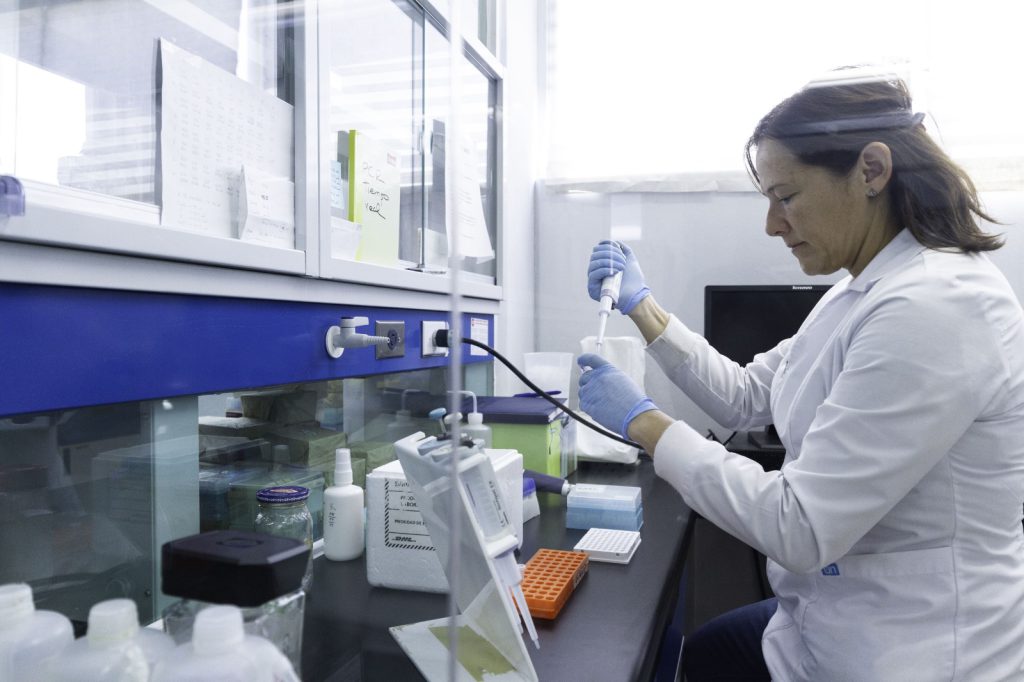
(343, 512)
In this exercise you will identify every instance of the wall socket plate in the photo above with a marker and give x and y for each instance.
(395, 331)
(427, 347)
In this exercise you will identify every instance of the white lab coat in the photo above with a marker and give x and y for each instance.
(894, 526)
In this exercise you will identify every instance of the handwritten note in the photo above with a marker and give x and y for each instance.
(375, 199)
(211, 125)
(474, 241)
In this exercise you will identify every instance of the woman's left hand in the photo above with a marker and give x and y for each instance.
(609, 396)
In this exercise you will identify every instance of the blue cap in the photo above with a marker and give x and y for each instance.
(282, 493)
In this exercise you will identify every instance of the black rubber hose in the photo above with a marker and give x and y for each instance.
(441, 339)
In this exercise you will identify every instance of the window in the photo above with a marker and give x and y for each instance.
(662, 96)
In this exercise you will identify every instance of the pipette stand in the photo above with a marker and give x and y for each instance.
(489, 639)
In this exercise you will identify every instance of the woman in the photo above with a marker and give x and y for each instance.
(893, 529)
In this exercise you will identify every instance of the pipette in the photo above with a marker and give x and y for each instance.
(609, 297)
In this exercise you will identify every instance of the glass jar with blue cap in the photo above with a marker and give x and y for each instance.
(283, 512)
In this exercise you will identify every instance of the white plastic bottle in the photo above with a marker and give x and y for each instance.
(220, 651)
(477, 430)
(30, 640)
(475, 427)
(155, 644)
(110, 651)
(344, 533)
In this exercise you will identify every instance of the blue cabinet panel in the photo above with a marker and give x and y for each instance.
(63, 347)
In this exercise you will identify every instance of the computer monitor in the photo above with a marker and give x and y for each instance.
(741, 321)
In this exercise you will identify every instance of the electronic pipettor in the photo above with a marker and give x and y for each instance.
(484, 501)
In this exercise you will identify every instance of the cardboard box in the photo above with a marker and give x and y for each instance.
(369, 455)
(308, 444)
(234, 427)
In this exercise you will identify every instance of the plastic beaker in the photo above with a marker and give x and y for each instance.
(550, 371)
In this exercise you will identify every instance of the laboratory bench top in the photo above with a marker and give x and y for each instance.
(610, 629)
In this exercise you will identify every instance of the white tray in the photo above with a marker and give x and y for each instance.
(605, 544)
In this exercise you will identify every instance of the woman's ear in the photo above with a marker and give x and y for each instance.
(875, 167)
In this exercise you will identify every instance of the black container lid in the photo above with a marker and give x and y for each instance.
(233, 567)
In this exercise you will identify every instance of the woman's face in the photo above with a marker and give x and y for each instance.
(822, 218)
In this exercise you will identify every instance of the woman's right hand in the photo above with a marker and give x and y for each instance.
(608, 258)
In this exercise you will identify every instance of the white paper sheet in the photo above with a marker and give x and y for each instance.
(211, 125)
(474, 241)
(344, 238)
(267, 209)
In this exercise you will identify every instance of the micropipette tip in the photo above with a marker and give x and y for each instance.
(602, 323)
(524, 612)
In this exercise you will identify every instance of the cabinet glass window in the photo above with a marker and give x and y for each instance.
(88, 496)
(374, 89)
(176, 114)
(477, 97)
(389, 98)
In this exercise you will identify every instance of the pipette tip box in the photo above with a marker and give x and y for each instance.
(613, 546)
(549, 578)
(618, 507)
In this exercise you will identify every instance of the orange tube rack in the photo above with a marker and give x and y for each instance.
(550, 576)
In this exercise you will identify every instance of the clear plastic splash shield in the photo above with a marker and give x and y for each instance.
(489, 644)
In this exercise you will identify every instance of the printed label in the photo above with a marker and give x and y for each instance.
(403, 524)
(479, 330)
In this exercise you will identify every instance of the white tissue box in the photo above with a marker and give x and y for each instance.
(399, 551)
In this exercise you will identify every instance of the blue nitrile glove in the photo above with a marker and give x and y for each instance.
(606, 259)
(609, 396)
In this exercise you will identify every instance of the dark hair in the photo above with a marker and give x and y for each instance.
(828, 125)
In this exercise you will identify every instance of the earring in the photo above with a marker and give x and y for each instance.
(872, 193)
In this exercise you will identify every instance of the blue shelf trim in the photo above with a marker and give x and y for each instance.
(64, 347)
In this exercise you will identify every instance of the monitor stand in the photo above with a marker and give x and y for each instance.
(767, 439)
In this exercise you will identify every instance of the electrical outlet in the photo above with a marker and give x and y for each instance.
(427, 347)
(395, 331)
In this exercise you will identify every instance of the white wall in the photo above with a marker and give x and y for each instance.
(684, 242)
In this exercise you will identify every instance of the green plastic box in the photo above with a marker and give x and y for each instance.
(534, 427)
